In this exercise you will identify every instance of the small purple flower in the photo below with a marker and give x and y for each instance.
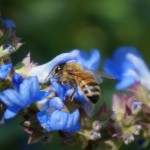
(8, 48)
(55, 118)
(25, 92)
(128, 138)
(5, 70)
(136, 107)
(128, 67)
(94, 135)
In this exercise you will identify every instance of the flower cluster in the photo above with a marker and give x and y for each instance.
(60, 95)
(131, 110)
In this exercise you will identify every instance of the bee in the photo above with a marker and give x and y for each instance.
(74, 75)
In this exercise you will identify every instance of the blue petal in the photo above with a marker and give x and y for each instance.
(111, 68)
(30, 92)
(41, 95)
(78, 96)
(43, 71)
(60, 89)
(93, 58)
(73, 128)
(42, 117)
(125, 82)
(65, 120)
(121, 53)
(120, 66)
(5, 70)
(9, 114)
(59, 120)
(139, 66)
(56, 102)
(72, 119)
(119, 63)
(17, 80)
(64, 92)
(27, 90)
(10, 98)
(9, 23)
(120, 59)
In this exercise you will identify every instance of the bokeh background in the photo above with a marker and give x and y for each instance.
(51, 27)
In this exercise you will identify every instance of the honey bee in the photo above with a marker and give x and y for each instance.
(73, 74)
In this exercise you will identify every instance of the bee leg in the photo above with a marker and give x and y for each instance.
(70, 98)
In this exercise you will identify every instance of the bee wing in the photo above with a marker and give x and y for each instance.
(81, 74)
(99, 75)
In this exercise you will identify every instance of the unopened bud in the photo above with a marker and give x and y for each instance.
(128, 139)
(136, 107)
(96, 125)
(137, 129)
(94, 135)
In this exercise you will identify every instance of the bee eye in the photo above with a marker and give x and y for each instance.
(58, 70)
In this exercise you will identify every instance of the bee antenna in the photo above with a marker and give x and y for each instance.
(48, 75)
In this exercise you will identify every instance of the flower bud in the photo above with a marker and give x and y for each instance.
(136, 107)
(96, 125)
(128, 139)
(137, 129)
(94, 135)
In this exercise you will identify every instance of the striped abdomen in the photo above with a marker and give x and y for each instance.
(89, 87)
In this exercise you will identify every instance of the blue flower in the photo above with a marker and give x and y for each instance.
(5, 70)
(25, 92)
(55, 118)
(128, 67)
(8, 23)
(87, 61)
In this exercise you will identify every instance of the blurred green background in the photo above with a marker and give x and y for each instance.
(51, 27)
